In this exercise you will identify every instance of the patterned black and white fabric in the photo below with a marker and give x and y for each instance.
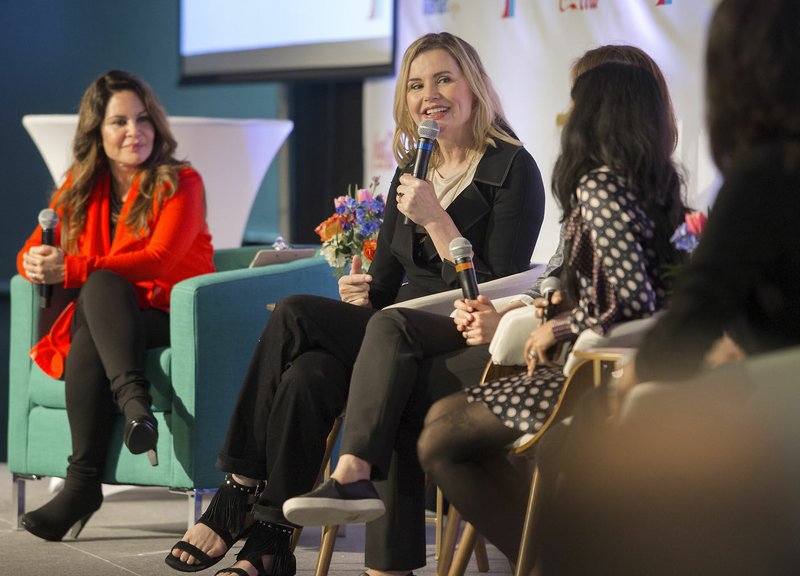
(620, 278)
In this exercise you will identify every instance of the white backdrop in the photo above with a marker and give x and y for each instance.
(528, 46)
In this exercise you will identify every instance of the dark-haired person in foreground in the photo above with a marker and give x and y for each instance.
(698, 480)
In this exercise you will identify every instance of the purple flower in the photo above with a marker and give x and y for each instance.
(683, 239)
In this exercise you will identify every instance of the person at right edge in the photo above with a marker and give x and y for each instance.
(482, 185)
(697, 481)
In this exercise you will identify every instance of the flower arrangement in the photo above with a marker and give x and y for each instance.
(687, 236)
(352, 230)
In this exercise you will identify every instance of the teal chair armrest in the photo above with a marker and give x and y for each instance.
(23, 327)
(216, 320)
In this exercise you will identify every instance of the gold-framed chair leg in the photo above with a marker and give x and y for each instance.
(438, 528)
(326, 550)
(296, 537)
(328, 538)
(527, 549)
(466, 545)
(451, 526)
(481, 556)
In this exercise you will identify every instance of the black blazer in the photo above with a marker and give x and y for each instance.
(500, 213)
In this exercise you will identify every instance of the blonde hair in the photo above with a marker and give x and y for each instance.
(488, 121)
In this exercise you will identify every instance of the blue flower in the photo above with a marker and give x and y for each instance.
(683, 239)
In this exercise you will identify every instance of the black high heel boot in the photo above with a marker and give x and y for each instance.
(81, 497)
(141, 429)
(267, 539)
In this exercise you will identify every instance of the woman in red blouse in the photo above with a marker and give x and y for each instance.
(131, 224)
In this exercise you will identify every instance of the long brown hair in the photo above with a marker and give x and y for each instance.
(488, 119)
(627, 54)
(620, 120)
(157, 175)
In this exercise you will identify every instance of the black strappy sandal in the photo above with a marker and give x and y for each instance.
(226, 515)
(264, 539)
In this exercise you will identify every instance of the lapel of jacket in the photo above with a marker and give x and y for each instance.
(473, 204)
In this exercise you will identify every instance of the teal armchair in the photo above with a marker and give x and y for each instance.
(215, 322)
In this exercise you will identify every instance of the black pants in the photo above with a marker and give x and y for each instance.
(105, 364)
(297, 384)
(409, 359)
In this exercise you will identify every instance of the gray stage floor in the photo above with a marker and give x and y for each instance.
(133, 531)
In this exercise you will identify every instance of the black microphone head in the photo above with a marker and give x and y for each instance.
(549, 285)
(428, 129)
(460, 248)
(48, 219)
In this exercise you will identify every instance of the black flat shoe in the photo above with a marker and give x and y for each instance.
(334, 504)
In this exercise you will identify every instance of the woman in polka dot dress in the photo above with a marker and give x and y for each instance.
(621, 198)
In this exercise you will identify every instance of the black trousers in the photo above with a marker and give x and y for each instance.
(409, 359)
(294, 388)
(297, 384)
(105, 364)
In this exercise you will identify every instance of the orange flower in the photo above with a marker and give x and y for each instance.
(329, 228)
(369, 249)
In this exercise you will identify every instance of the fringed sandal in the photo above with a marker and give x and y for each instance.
(267, 539)
(227, 516)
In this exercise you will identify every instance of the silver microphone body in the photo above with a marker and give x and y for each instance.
(461, 253)
(48, 220)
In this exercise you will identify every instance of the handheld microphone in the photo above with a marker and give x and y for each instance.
(428, 131)
(461, 252)
(549, 286)
(48, 219)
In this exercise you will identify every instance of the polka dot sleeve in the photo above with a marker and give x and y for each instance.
(611, 232)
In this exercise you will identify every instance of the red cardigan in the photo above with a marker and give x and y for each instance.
(178, 247)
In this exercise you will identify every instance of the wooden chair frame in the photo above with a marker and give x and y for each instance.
(593, 368)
